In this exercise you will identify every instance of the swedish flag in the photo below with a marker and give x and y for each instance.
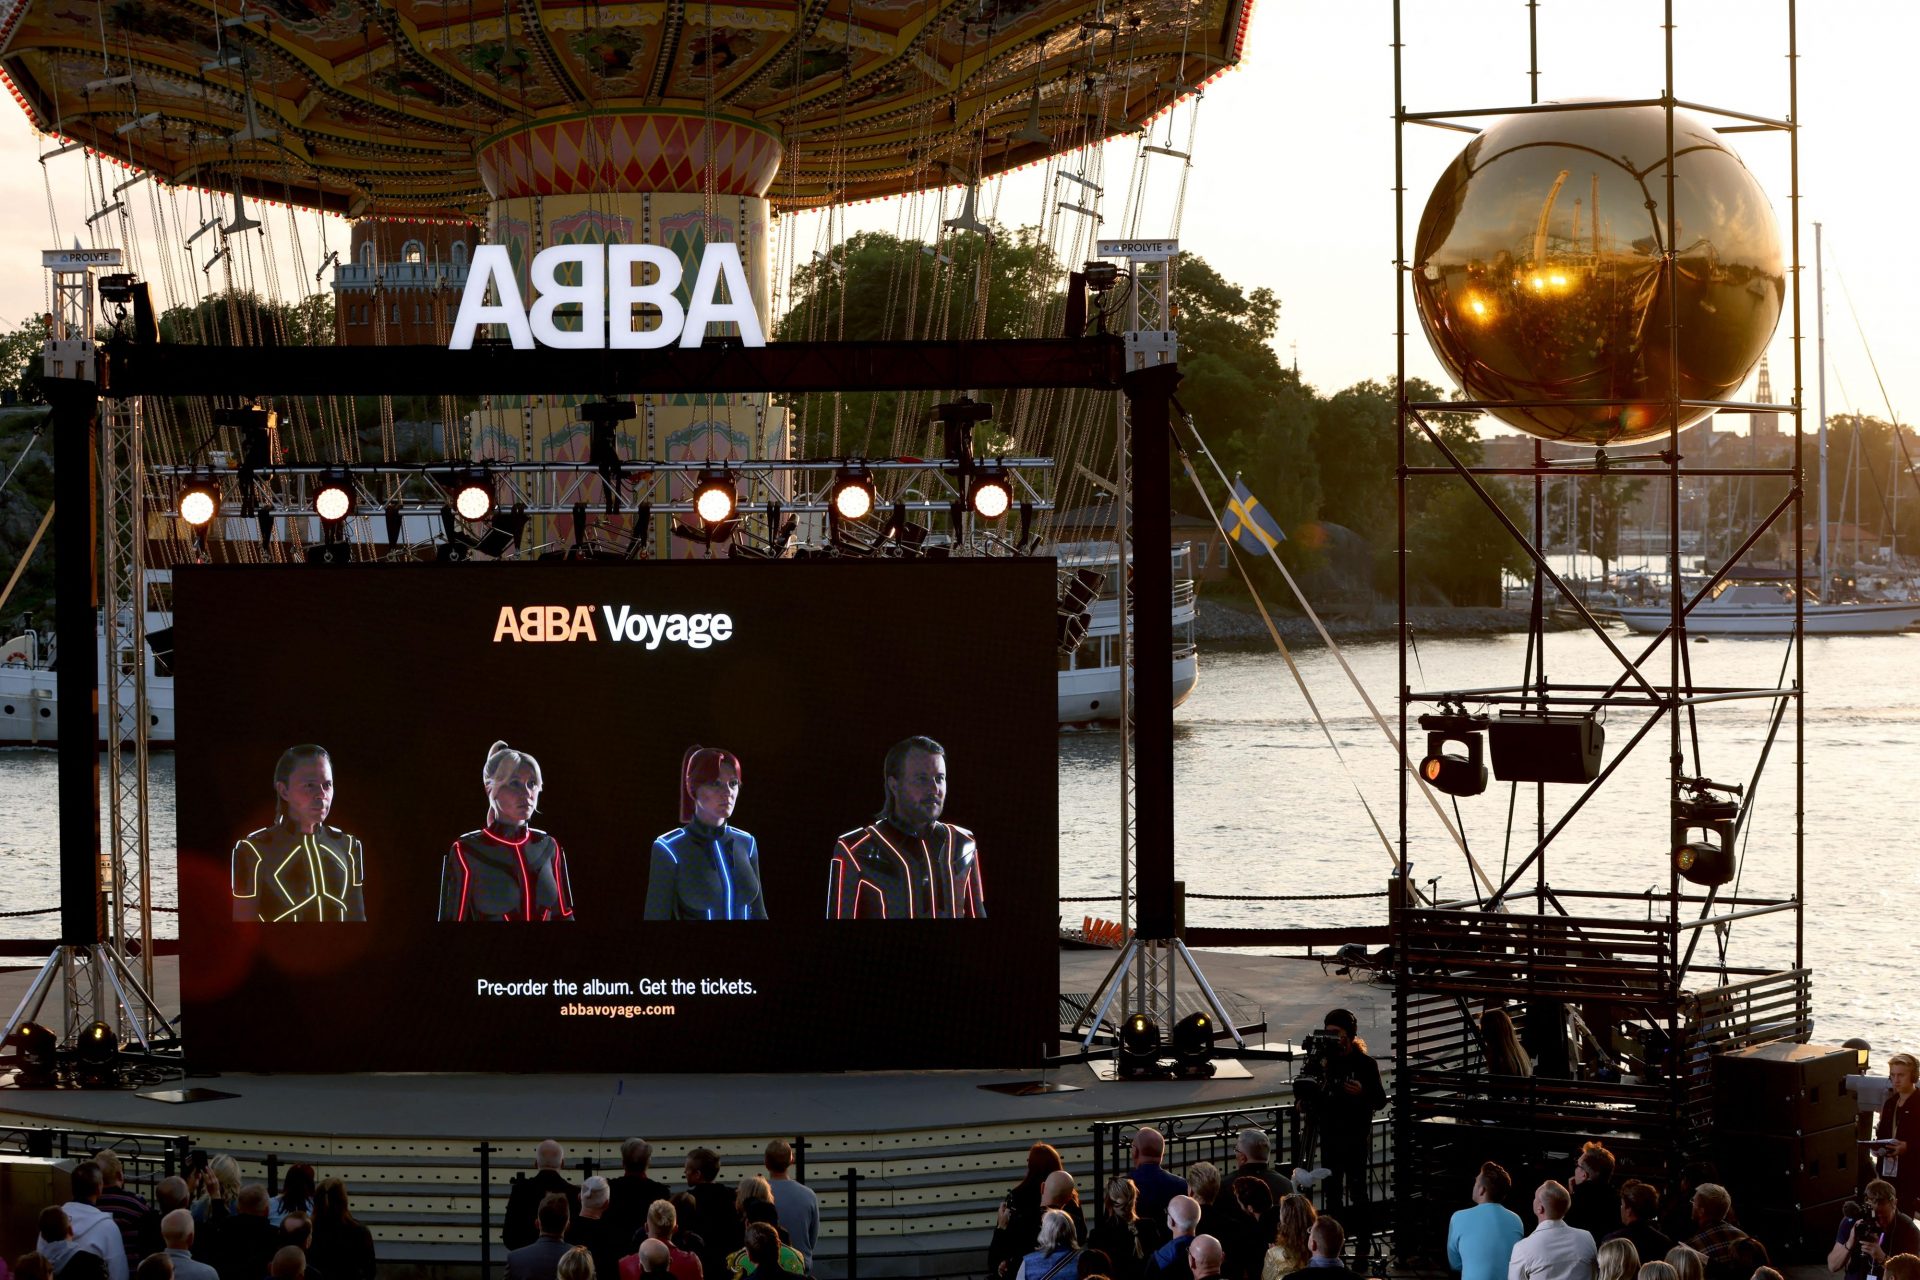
(1252, 527)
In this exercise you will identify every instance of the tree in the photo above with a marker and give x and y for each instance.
(244, 318)
(20, 351)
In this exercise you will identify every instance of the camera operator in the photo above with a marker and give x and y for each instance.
(1869, 1237)
(1900, 1125)
(1351, 1093)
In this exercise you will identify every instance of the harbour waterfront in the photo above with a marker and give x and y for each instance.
(1264, 806)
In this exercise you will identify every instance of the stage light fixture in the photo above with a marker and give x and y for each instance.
(334, 500)
(96, 1045)
(990, 492)
(1546, 746)
(1139, 1046)
(1193, 1044)
(853, 492)
(1073, 614)
(714, 499)
(1456, 774)
(198, 501)
(39, 1052)
(472, 494)
(1705, 824)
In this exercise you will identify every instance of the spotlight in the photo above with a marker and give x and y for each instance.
(1457, 775)
(504, 534)
(472, 494)
(39, 1050)
(97, 1045)
(714, 499)
(990, 492)
(1193, 1044)
(853, 492)
(1139, 1046)
(333, 501)
(1704, 827)
(198, 502)
(1552, 746)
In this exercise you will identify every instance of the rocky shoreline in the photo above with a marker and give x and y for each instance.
(1232, 626)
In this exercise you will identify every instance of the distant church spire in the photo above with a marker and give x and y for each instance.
(1764, 426)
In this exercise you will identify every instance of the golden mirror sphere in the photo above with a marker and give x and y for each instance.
(1538, 271)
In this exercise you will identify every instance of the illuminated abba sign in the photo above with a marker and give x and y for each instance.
(605, 287)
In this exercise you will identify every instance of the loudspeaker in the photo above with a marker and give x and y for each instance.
(1532, 746)
(1798, 1232)
(27, 1185)
(1785, 1171)
(1783, 1088)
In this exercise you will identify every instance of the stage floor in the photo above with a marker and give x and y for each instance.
(1292, 994)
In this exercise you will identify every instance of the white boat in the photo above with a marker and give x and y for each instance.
(29, 711)
(1752, 609)
(1090, 675)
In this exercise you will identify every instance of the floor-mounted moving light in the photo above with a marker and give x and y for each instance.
(1193, 1044)
(1462, 772)
(1139, 1046)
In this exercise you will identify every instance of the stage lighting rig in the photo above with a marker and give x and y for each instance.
(334, 500)
(258, 427)
(853, 491)
(1705, 823)
(1139, 1047)
(958, 418)
(1462, 774)
(990, 492)
(198, 501)
(95, 1050)
(715, 498)
(38, 1056)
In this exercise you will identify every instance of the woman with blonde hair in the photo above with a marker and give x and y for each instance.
(1290, 1252)
(507, 870)
(1505, 1055)
(1687, 1264)
(1617, 1260)
(1657, 1270)
(575, 1264)
(1116, 1232)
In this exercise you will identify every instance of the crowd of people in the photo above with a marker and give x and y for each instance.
(1246, 1222)
(203, 1225)
(1594, 1228)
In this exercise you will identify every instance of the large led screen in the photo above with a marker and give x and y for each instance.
(728, 816)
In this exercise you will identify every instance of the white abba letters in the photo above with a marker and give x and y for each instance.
(608, 290)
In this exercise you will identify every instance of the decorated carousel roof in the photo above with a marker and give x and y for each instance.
(432, 107)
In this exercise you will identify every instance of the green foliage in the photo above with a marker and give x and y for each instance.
(247, 319)
(878, 287)
(20, 366)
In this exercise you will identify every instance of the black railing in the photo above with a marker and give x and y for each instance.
(146, 1158)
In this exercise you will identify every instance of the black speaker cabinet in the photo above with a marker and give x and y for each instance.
(1786, 1170)
(1783, 1088)
(1801, 1233)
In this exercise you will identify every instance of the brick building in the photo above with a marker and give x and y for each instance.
(403, 281)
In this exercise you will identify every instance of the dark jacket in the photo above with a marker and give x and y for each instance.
(1346, 1119)
(884, 872)
(629, 1196)
(601, 1238)
(519, 1227)
(717, 1222)
(1595, 1209)
(539, 1260)
(701, 872)
(1156, 1187)
(245, 1247)
(1906, 1183)
(1119, 1239)
(344, 1250)
(1649, 1241)
(1169, 1261)
(1278, 1183)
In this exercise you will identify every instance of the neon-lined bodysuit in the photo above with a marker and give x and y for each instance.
(504, 873)
(882, 871)
(705, 873)
(283, 875)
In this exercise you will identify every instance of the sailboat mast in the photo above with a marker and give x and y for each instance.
(1820, 331)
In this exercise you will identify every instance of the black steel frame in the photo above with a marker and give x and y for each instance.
(1450, 953)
